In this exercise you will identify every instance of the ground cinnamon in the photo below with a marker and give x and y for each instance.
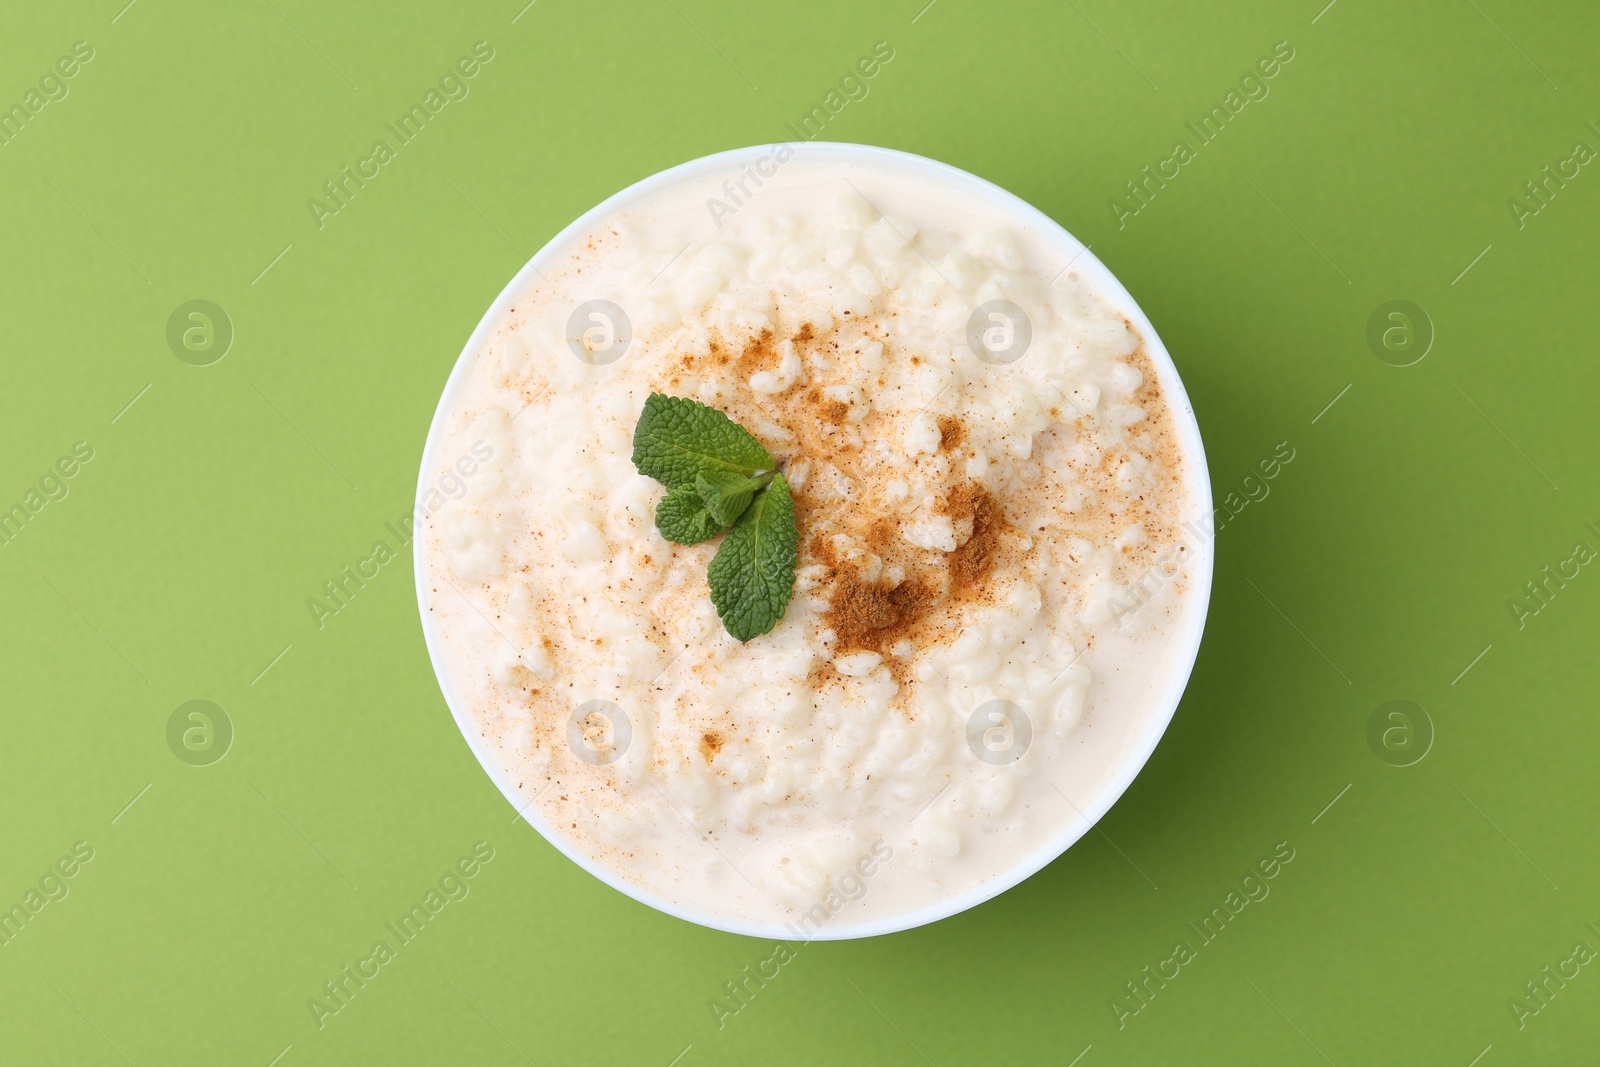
(710, 745)
(951, 432)
(971, 563)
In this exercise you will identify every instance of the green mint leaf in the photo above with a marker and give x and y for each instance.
(677, 438)
(682, 518)
(727, 494)
(752, 575)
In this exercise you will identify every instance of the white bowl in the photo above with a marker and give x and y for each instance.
(1185, 643)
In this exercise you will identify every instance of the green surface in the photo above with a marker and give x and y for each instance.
(1378, 567)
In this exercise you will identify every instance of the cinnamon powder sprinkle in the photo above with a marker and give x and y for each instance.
(710, 745)
(874, 616)
(951, 432)
(881, 533)
(760, 353)
(871, 617)
(971, 563)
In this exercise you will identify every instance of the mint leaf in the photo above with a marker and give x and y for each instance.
(682, 518)
(752, 575)
(727, 494)
(678, 438)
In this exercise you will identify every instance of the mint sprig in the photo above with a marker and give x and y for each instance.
(719, 476)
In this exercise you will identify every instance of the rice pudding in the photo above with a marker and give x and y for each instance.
(992, 589)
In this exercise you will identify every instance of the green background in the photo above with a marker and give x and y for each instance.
(1378, 568)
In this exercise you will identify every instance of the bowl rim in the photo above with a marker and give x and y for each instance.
(1182, 652)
